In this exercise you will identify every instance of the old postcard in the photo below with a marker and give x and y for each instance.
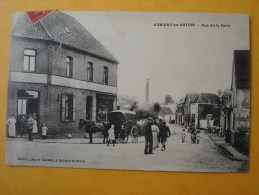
(129, 90)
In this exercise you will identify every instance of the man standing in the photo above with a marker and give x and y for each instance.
(164, 133)
(148, 137)
(23, 124)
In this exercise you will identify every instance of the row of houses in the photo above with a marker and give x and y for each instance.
(230, 110)
(194, 108)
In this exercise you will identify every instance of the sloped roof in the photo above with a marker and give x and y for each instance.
(209, 98)
(242, 68)
(165, 111)
(60, 27)
(191, 96)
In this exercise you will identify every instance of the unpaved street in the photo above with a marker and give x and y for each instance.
(78, 153)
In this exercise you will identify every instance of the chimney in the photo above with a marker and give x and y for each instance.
(147, 92)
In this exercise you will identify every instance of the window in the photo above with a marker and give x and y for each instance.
(105, 74)
(29, 60)
(69, 66)
(68, 107)
(90, 71)
(22, 105)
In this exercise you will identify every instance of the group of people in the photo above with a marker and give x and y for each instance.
(195, 135)
(155, 133)
(25, 126)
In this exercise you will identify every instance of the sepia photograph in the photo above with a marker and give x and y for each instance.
(153, 91)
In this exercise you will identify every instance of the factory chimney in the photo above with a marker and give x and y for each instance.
(147, 92)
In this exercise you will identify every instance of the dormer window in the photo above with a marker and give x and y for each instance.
(29, 60)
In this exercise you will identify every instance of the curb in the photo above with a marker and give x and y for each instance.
(225, 151)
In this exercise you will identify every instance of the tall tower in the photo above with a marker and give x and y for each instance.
(147, 92)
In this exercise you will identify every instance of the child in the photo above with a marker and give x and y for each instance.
(111, 136)
(44, 131)
(198, 137)
(183, 135)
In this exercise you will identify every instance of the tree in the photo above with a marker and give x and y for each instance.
(134, 105)
(156, 107)
(169, 99)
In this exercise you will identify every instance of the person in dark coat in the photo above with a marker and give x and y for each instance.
(160, 123)
(148, 137)
(164, 133)
(30, 123)
(22, 125)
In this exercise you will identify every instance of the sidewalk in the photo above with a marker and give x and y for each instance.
(227, 148)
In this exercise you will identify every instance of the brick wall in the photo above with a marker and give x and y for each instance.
(17, 54)
(54, 113)
(50, 57)
(51, 60)
(80, 62)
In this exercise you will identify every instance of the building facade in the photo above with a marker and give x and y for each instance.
(205, 107)
(60, 72)
(240, 100)
(226, 114)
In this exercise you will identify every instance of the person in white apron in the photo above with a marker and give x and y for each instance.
(11, 126)
(155, 132)
(35, 127)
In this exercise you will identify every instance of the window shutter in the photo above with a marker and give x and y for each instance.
(63, 107)
(74, 107)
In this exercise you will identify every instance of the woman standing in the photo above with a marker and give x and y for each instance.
(35, 126)
(155, 132)
(11, 126)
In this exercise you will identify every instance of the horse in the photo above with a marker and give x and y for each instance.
(91, 127)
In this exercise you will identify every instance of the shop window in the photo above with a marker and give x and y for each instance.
(105, 74)
(29, 60)
(69, 66)
(68, 107)
(90, 72)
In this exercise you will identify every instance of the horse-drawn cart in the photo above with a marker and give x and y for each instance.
(125, 125)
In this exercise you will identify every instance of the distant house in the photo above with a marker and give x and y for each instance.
(188, 100)
(240, 100)
(166, 114)
(179, 113)
(206, 104)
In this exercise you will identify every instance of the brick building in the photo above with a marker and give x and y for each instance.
(59, 71)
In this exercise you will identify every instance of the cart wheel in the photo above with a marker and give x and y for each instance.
(123, 137)
(134, 134)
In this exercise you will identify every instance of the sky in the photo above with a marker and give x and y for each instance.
(176, 59)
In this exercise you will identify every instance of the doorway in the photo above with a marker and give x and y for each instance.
(89, 107)
(28, 104)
